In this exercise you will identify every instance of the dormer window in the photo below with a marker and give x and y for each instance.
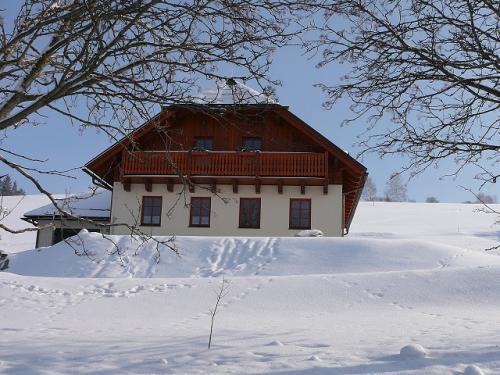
(252, 143)
(204, 143)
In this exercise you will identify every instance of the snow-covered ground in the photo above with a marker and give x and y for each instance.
(408, 273)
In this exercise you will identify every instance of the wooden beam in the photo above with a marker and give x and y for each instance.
(126, 185)
(213, 187)
(149, 186)
(191, 187)
(338, 176)
(235, 186)
(325, 188)
(302, 189)
(280, 187)
(257, 186)
(170, 186)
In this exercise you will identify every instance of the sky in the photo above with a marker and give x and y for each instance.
(65, 147)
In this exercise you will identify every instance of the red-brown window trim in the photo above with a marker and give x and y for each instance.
(240, 215)
(191, 212)
(142, 210)
(290, 226)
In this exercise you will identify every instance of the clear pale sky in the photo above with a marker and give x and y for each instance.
(66, 147)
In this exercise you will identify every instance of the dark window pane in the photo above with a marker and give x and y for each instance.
(300, 214)
(252, 143)
(250, 212)
(204, 143)
(200, 211)
(151, 210)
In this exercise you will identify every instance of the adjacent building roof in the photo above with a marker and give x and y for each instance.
(94, 204)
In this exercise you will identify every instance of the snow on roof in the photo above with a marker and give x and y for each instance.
(91, 204)
(233, 92)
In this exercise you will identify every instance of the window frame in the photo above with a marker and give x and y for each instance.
(197, 138)
(290, 224)
(142, 210)
(257, 226)
(253, 139)
(191, 224)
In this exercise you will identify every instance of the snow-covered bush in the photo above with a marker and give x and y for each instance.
(310, 233)
(412, 351)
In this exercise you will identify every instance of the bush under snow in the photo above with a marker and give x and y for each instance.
(473, 370)
(412, 351)
(310, 233)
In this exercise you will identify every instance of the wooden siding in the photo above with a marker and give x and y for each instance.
(258, 164)
(227, 131)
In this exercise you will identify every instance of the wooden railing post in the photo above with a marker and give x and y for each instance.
(325, 175)
(189, 165)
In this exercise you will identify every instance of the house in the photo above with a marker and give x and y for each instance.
(236, 163)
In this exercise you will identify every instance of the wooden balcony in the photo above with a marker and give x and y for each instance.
(226, 164)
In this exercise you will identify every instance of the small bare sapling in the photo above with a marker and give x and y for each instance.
(221, 293)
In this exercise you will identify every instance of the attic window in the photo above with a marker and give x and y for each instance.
(252, 143)
(204, 143)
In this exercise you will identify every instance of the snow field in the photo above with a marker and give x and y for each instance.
(296, 306)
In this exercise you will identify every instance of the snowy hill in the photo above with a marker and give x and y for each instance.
(407, 274)
(16, 206)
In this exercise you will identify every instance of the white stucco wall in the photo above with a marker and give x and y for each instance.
(326, 210)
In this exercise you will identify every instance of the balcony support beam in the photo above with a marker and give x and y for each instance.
(170, 186)
(325, 187)
(303, 189)
(257, 186)
(126, 185)
(213, 187)
(280, 187)
(148, 186)
(235, 186)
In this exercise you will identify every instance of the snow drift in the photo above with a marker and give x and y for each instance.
(215, 256)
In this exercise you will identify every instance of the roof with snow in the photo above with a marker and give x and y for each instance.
(233, 92)
(93, 204)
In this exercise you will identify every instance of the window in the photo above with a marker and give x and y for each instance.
(204, 143)
(252, 143)
(151, 211)
(300, 214)
(200, 212)
(249, 212)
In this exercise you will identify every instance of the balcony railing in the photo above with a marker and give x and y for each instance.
(217, 163)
